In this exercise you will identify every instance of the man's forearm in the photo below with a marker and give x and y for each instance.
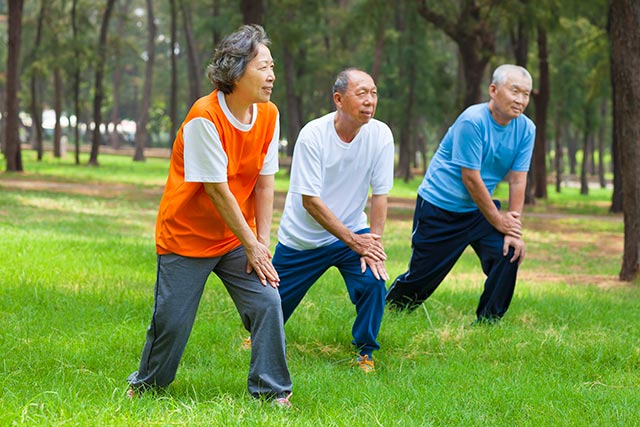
(517, 188)
(378, 216)
(327, 219)
(480, 195)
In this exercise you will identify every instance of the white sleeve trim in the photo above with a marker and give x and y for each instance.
(270, 165)
(204, 157)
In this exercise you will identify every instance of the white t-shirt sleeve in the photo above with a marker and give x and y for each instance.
(382, 179)
(204, 157)
(306, 176)
(270, 166)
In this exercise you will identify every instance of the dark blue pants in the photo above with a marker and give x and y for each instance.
(299, 270)
(439, 238)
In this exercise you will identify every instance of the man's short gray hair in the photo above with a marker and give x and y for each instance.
(233, 54)
(342, 80)
(501, 74)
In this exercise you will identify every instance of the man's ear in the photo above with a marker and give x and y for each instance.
(337, 99)
(492, 89)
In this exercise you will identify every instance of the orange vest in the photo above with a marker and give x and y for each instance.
(188, 223)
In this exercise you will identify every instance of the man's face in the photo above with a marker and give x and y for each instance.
(359, 101)
(256, 84)
(510, 99)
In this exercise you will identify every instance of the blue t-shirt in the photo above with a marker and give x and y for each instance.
(475, 141)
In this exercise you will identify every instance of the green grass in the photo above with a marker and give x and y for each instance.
(77, 275)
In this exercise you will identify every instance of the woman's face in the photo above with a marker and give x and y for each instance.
(256, 84)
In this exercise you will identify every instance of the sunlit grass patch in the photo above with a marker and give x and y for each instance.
(77, 271)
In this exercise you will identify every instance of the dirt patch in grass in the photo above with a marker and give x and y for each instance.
(567, 237)
(399, 208)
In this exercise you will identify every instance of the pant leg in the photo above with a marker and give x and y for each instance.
(298, 271)
(439, 238)
(501, 275)
(179, 286)
(260, 311)
(367, 294)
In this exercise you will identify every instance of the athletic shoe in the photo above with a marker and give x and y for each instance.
(283, 402)
(246, 344)
(132, 394)
(365, 363)
(486, 321)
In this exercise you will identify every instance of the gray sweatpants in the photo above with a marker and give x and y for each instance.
(179, 286)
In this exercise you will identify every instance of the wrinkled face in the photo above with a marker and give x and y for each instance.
(509, 100)
(256, 84)
(359, 101)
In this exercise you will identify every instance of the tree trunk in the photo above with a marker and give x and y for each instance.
(625, 62)
(58, 94)
(616, 197)
(408, 69)
(13, 154)
(36, 87)
(98, 89)
(520, 46)
(520, 42)
(558, 160)
(378, 52)
(76, 80)
(252, 11)
(173, 99)
(294, 109)
(572, 150)
(216, 36)
(193, 64)
(541, 103)
(586, 153)
(141, 126)
(117, 78)
(475, 37)
(601, 138)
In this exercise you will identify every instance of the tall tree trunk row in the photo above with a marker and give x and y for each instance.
(625, 63)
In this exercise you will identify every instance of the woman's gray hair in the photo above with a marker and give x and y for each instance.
(233, 54)
(501, 74)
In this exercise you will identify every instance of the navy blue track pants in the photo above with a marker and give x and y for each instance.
(299, 270)
(439, 238)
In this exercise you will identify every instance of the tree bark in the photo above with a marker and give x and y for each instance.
(252, 11)
(294, 103)
(601, 137)
(572, 150)
(193, 64)
(36, 87)
(98, 89)
(624, 16)
(13, 153)
(558, 160)
(58, 94)
(76, 80)
(476, 41)
(117, 78)
(541, 104)
(141, 126)
(586, 152)
(173, 99)
(616, 197)
(407, 69)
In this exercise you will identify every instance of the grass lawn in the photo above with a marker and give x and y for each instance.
(77, 271)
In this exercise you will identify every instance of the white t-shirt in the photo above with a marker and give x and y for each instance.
(204, 158)
(340, 173)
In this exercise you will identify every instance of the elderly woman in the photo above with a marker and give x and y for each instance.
(215, 216)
